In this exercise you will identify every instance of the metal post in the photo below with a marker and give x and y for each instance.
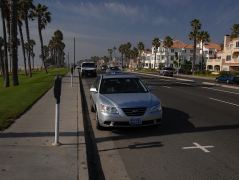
(71, 80)
(57, 124)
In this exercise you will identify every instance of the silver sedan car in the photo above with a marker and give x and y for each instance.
(123, 100)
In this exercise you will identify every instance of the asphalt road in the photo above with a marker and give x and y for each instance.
(195, 115)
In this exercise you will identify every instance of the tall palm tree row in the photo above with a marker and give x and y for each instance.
(156, 44)
(193, 35)
(43, 16)
(167, 43)
(203, 37)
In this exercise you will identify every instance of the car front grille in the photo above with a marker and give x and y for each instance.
(134, 111)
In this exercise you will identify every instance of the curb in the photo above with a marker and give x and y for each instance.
(81, 154)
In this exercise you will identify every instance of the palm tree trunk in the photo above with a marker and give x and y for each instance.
(41, 40)
(28, 40)
(2, 64)
(6, 72)
(13, 20)
(23, 48)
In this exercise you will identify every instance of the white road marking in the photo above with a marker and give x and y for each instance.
(198, 146)
(188, 80)
(167, 87)
(220, 90)
(224, 102)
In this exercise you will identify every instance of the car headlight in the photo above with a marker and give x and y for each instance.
(108, 109)
(155, 108)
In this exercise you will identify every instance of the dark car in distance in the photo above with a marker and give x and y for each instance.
(227, 78)
(166, 71)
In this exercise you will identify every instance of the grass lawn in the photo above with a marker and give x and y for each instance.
(16, 100)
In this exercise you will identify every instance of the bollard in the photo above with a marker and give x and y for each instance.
(72, 70)
(57, 95)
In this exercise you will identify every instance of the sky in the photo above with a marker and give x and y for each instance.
(98, 25)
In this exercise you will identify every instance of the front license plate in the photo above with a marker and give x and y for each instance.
(135, 121)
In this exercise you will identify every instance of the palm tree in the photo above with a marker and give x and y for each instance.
(14, 41)
(140, 49)
(24, 8)
(3, 6)
(19, 23)
(32, 43)
(193, 35)
(168, 42)
(127, 52)
(203, 37)
(122, 51)
(156, 44)
(134, 53)
(43, 18)
(235, 31)
(110, 51)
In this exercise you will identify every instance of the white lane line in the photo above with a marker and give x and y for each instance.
(198, 146)
(220, 90)
(188, 80)
(167, 87)
(224, 102)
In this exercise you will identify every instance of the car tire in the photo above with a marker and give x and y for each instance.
(228, 81)
(98, 126)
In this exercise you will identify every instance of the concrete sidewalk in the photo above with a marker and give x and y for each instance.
(26, 150)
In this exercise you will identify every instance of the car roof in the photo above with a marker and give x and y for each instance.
(121, 75)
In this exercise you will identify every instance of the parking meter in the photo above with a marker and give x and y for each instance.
(57, 88)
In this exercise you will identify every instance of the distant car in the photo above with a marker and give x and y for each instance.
(227, 78)
(167, 71)
(122, 100)
(113, 70)
(88, 69)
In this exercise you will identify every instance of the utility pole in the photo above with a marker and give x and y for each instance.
(74, 52)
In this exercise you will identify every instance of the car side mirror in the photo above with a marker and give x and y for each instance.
(93, 90)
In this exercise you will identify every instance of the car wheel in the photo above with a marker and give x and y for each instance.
(228, 81)
(98, 126)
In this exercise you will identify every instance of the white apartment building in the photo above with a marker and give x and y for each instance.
(228, 58)
(179, 53)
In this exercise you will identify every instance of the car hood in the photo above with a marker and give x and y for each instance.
(126, 100)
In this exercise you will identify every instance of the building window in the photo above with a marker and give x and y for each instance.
(191, 51)
(228, 58)
(172, 50)
(210, 52)
(172, 58)
(158, 58)
(237, 44)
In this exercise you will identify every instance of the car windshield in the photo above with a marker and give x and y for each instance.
(122, 85)
(114, 68)
(88, 65)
